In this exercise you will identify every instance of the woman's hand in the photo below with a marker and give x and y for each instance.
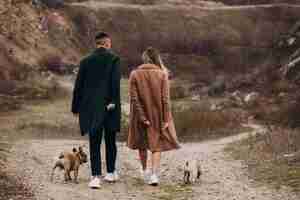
(165, 126)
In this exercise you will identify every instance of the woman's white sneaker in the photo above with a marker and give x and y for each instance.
(145, 175)
(154, 180)
(109, 177)
(116, 176)
(112, 177)
(95, 183)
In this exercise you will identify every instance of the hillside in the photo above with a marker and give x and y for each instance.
(196, 42)
(227, 60)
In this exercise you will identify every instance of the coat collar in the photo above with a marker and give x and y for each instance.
(101, 50)
(148, 66)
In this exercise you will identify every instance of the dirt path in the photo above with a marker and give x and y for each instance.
(98, 4)
(31, 161)
(223, 178)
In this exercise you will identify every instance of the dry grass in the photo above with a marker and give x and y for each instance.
(10, 188)
(14, 94)
(178, 91)
(265, 156)
(199, 122)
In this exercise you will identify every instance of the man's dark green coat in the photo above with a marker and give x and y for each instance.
(97, 85)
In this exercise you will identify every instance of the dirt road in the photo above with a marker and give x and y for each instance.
(223, 178)
(48, 129)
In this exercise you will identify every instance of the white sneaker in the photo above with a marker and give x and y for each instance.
(154, 180)
(145, 175)
(116, 176)
(95, 183)
(110, 177)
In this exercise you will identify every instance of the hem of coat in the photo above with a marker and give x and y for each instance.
(154, 150)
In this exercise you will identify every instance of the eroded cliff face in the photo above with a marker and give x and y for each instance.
(24, 41)
(193, 40)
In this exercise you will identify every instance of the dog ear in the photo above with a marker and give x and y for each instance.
(61, 155)
(74, 150)
(80, 149)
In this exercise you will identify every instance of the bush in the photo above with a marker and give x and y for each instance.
(52, 63)
(201, 123)
(287, 115)
(178, 92)
(53, 3)
(85, 28)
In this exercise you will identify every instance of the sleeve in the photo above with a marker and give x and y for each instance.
(134, 98)
(166, 98)
(115, 82)
(77, 92)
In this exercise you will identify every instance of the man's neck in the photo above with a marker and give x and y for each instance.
(101, 47)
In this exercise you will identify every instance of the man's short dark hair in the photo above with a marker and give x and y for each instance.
(101, 35)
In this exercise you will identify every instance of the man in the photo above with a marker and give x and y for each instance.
(96, 98)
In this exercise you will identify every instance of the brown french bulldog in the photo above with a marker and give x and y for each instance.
(70, 161)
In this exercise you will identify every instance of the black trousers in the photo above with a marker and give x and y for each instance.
(110, 151)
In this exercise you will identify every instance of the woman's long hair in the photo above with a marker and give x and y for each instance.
(152, 56)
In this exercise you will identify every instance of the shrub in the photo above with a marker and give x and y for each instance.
(201, 123)
(178, 91)
(52, 63)
(53, 3)
(144, 2)
(86, 27)
(287, 115)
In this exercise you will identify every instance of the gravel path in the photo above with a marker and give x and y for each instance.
(223, 178)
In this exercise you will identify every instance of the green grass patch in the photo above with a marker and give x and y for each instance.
(124, 90)
(172, 192)
(263, 166)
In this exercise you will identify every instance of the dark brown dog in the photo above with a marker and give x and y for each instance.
(70, 161)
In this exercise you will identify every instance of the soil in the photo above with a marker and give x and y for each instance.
(223, 177)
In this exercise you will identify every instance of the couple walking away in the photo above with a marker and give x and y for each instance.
(97, 102)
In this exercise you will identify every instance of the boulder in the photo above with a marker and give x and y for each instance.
(251, 97)
(218, 87)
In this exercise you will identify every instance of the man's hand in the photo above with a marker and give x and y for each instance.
(110, 106)
(147, 123)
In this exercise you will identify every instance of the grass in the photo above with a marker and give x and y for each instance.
(198, 122)
(193, 119)
(124, 90)
(10, 188)
(172, 192)
(265, 161)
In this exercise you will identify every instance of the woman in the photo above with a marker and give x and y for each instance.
(151, 123)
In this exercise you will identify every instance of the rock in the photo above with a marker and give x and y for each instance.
(251, 97)
(292, 157)
(282, 94)
(218, 87)
(196, 97)
(236, 98)
(215, 107)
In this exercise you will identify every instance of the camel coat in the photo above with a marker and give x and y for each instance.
(149, 100)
